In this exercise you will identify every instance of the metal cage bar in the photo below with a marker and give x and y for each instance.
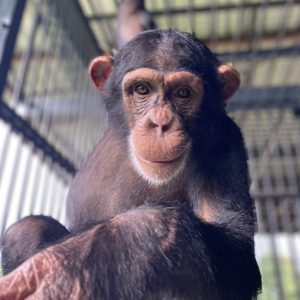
(50, 118)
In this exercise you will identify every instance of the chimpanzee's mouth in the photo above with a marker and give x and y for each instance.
(161, 162)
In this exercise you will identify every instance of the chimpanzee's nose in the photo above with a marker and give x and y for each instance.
(162, 120)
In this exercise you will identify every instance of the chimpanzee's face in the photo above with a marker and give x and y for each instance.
(157, 103)
(158, 85)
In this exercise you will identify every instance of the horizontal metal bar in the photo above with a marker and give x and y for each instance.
(265, 53)
(213, 7)
(266, 98)
(260, 196)
(21, 126)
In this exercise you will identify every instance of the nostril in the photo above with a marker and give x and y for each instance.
(166, 127)
(161, 120)
(151, 124)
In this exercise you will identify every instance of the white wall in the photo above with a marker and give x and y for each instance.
(28, 185)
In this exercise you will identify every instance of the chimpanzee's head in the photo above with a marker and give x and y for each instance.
(160, 83)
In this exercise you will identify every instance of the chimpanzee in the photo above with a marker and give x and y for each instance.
(132, 19)
(161, 208)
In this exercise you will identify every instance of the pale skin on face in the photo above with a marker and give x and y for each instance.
(162, 84)
(146, 89)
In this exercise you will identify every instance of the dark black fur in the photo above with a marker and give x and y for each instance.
(27, 237)
(149, 241)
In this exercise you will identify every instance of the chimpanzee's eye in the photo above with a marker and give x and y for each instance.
(142, 89)
(183, 92)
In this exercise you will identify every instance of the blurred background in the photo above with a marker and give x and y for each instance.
(50, 116)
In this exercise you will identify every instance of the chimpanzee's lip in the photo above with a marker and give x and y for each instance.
(160, 162)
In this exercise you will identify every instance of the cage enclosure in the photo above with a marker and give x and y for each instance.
(50, 117)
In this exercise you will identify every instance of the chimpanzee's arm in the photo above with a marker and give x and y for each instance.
(144, 253)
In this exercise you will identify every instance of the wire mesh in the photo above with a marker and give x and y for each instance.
(47, 88)
(47, 100)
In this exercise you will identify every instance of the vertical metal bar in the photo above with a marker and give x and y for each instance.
(31, 187)
(46, 69)
(24, 188)
(285, 214)
(37, 180)
(280, 33)
(255, 38)
(263, 162)
(55, 199)
(290, 167)
(169, 16)
(106, 33)
(273, 134)
(191, 15)
(72, 68)
(237, 41)
(45, 187)
(78, 70)
(4, 152)
(33, 78)
(7, 55)
(83, 110)
(19, 85)
(40, 187)
(62, 213)
(297, 214)
(213, 22)
(8, 200)
(49, 201)
(110, 30)
(49, 79)
(278, 171)
(270, 208)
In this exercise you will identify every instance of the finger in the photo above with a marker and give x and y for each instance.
(25, 280)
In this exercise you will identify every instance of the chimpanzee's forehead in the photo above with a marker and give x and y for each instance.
(166, 50)
(166, 61)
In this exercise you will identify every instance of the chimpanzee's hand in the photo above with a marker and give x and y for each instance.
(30, 278)
(45, 276)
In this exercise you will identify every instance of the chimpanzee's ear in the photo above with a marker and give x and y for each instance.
(99, 70)
(230, 81)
